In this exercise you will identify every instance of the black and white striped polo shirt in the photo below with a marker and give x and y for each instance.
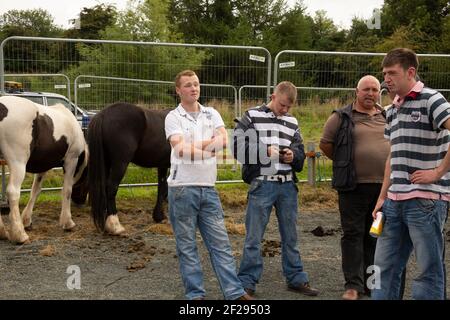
(418, 142)
(280, 131)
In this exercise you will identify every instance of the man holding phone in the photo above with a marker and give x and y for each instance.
(268, 143)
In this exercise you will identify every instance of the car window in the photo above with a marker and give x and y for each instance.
(51, 101)
(39, 100)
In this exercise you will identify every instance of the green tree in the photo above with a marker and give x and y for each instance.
(426, 20)
(294, 31)
(146, 22)
(203, 21)
(360, 38)
(92, 21)
(261, 15)
(325, 34)
(32, 23)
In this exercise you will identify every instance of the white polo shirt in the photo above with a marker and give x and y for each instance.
(184, 171)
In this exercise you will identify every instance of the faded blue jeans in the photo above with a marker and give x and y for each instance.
(415, 224)
(262, 196)
(191, 207)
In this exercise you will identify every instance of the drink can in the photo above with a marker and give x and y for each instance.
(377, 225)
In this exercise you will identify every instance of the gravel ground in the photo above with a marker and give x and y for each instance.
(143, 264)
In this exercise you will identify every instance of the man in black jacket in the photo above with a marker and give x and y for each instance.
(268, 143)
(353, 139)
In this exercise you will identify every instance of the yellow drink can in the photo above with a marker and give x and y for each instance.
(377, 225)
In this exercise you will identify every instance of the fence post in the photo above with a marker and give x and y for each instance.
(311, 164)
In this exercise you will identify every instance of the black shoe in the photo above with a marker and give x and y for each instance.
(304, 288)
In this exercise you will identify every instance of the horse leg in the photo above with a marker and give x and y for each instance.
(3, 232)
(112, 225)
(65, 219)
(35, 190)
(158, 213)
(17, 232)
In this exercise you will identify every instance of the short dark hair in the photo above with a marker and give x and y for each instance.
(184, 73)
(405, 57)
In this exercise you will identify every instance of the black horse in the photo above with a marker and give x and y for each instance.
(117, 135)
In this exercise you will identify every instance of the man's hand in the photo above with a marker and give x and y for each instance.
(378, 207)
(425, 176)
(286, 155)
(273, 152)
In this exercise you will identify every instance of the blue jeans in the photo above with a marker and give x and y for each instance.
(191, 207)
(262, 196)
(415, 224)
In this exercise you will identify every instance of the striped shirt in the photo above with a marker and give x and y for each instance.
(279, 131)
(419, 141)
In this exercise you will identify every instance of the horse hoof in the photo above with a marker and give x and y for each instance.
(117, 231)
(68, 226)
(164, 221)
(113, 226)
(21, 239)
(29, 227)
(4, 235)
(159, 219)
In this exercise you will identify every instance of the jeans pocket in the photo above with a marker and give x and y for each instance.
(426, 205)
(254, 186)
(178, 192)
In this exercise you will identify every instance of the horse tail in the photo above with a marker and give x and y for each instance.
(97, 172)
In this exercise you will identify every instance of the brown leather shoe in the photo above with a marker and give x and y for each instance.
(304, 288)
(245, 297)
(350, 294)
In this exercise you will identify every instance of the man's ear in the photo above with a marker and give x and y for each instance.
(411, 73)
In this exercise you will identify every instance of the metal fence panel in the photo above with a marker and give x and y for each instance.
(215, 64)
(43, 82)
(344, 69)
(93, 91)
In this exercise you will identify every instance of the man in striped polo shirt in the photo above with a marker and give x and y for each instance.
(415, 192)
(268, 143)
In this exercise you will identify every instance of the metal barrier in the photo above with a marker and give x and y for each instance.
(306, 96)
(44, 75)
(216, 64)
(344, 69)
(138, 98)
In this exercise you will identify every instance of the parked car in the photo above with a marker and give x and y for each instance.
(50, 99)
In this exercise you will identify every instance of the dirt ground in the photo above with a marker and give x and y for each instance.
(143, 264)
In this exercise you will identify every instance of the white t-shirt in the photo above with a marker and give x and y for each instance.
(184, 171)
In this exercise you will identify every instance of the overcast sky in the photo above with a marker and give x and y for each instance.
(341, 11)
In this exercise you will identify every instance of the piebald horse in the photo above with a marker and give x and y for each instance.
(35, 139)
